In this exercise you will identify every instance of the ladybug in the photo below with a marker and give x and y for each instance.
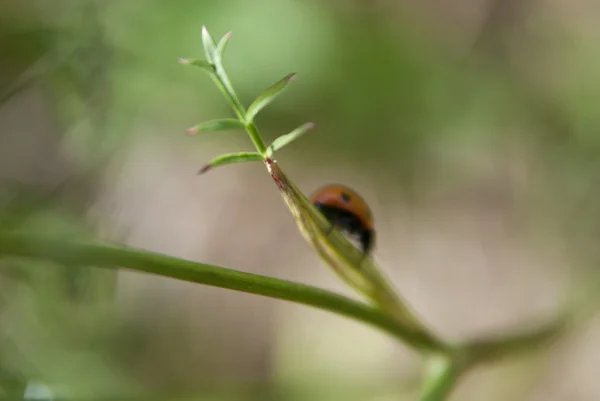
(346, 210)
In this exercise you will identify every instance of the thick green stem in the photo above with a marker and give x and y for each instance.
(444, 367)
(89, 254)
(441, 377)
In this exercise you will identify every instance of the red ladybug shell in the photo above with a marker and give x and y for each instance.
(344, 198)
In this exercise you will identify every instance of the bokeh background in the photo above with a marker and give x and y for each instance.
(470, 126)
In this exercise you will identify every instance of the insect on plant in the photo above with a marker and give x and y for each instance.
(337, 206)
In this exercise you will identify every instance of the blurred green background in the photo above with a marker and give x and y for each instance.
(470, 126)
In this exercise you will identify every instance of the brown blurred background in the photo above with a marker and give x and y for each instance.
(470, 126)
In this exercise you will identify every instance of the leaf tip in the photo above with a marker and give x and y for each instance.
(192, 130)
(204, 169)
(310, 125)
(228, 35)
(290, 77)
(184, 61)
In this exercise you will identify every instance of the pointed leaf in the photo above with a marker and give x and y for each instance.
(223, 124)
(351, 264)
(209, 45)
(267, 97)
(286, 139)
(231, 158)
(205, 65)
(223, 44)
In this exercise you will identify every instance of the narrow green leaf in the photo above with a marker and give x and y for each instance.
(349, 262)
(209, 45)
(267, 97)
(223, 44)
(286, 139)
(205, 65)
(231, 158)
(223, 124)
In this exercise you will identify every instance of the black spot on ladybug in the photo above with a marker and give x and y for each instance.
(345, 197)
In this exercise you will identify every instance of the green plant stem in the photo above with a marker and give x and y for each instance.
(441, 378)
(256, 138)
(480, 351)
(89, 254)
(109, 256)
(224, 84)
(444, 370)
(444, 367)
